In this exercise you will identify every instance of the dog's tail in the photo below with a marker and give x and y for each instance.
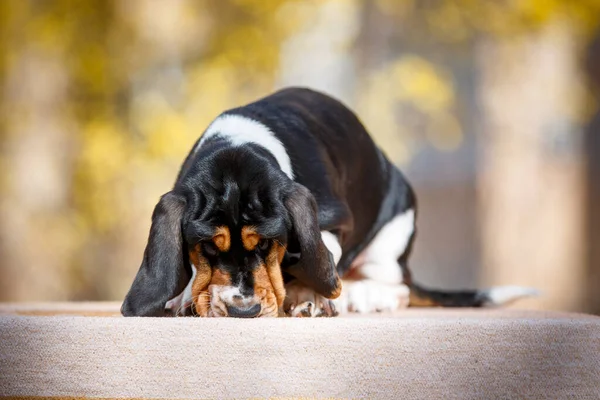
(496, 296)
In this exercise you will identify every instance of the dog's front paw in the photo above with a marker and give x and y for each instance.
(302, 302)
(368, 296)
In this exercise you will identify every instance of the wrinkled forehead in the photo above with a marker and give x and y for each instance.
(232, 213)
(245, 234)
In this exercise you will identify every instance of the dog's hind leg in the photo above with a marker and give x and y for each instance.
(378, 277)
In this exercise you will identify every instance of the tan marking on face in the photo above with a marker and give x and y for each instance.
(220, 278)
(268, 303)
(249, 238)
(268, 282)
(261, 279)
(264, 291)
(222, 238)
(200, 295)
(202, 292)
(273, 266)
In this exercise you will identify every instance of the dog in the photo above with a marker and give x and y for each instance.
(277, 201)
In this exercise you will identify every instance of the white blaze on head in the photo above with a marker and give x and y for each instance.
(240, 130)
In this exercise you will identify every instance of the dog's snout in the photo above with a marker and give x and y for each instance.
(238, 312)
(228, 301)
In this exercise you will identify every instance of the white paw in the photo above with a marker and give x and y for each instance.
(302, 302)
(368, 296)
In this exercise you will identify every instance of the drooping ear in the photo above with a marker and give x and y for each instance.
(164, 273)
(316, 266)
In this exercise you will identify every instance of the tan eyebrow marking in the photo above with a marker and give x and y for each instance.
(222, 238)
(249, 238)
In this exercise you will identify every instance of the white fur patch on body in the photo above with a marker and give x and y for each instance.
(240, 130)
(332, 244)
(181, 302)
(379, 261)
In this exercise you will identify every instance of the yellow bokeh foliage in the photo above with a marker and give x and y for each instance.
(136, 102)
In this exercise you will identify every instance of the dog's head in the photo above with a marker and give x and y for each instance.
(235, 217)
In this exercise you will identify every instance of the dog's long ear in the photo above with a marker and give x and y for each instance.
(164, 273)
(316, 266)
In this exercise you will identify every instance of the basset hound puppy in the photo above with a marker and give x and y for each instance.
(276, 202)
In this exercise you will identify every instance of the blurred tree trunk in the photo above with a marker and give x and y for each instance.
(531, 188)
(592, 153)
(327, 36)
(38, 152)
(592, 149)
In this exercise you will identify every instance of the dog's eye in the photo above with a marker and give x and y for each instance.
(263, 244)
(209, 249)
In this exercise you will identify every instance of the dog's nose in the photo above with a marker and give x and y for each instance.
(249, 312)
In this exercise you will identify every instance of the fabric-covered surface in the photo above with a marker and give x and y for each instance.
(466, 354)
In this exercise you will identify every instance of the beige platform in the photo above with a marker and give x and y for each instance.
(52, 350)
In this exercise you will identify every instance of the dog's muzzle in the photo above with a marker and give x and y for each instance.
(227, 301)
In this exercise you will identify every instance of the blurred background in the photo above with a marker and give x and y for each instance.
(489, 107)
